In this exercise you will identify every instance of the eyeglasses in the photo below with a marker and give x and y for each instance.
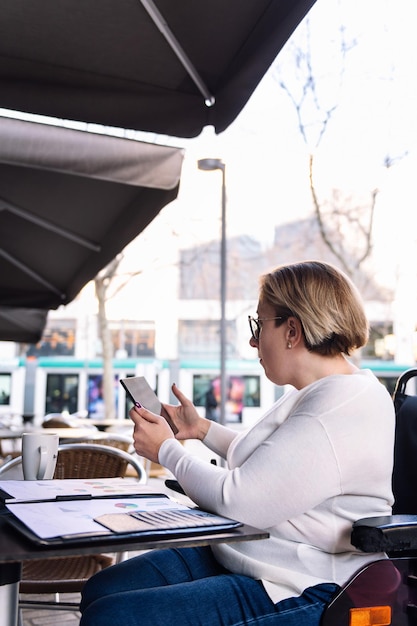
(256, 327)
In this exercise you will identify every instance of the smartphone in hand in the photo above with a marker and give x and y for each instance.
(139, 390)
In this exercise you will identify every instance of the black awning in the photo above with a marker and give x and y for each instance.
(22, 325)
(70, 201)
(147, 65)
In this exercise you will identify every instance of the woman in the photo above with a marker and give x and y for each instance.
(320, 458)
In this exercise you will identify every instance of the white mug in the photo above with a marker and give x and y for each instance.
(39, 455)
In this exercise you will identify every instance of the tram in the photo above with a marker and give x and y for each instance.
(35, 387)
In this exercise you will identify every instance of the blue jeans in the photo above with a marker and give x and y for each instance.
(188, 587)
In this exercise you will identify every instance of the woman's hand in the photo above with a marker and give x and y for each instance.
(189, 423)
(149, 433)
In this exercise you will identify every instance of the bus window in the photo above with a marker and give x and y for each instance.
(61, 393)
(241, 391)
(5, 387)
(95, 400)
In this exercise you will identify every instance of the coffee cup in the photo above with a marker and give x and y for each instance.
(39, 455)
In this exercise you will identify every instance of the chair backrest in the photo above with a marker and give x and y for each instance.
(404, 478)
(85, 460)
(107, 439)
(58, 420)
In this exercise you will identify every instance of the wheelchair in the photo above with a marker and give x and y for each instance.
(384, 593)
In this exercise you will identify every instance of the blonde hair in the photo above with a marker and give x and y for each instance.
(325, 301)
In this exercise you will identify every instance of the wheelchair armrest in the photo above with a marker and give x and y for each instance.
(392, 533)
(175, 486)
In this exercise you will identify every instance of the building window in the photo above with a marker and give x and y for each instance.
(381, 344)
(201, 338)
(58, 339)
(133, 338)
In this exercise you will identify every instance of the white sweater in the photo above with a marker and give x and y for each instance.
(319, 459)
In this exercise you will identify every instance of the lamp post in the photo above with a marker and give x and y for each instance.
(211, 165)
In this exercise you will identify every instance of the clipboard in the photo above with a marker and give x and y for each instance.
(83, 521)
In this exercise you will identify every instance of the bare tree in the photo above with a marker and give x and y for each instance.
(101, 283)
(341, 218)
(105, 288)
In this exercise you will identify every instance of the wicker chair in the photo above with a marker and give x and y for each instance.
(69, 574)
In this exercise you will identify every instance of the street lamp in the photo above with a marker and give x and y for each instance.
(211, 165)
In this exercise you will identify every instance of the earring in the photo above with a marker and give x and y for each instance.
(289, 345)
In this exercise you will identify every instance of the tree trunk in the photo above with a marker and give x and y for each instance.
(107, 350)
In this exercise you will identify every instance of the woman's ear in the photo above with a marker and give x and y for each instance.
(294, 332)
